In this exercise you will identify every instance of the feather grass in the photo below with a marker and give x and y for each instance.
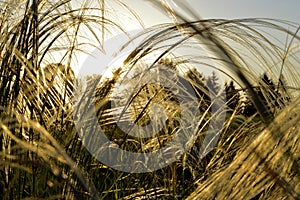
(42, 155)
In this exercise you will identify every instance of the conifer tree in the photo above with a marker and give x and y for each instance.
(232, 95)
(248, 108)
(270, 94)
(212, 83)
(197, 81)
(273, 97)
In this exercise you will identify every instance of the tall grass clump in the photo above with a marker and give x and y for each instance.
(39, 44)
(241, 79)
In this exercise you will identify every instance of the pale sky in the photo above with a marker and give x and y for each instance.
(210, 9)
(280, 9)
(228, 9)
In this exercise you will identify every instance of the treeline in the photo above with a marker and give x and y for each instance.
(274, 96)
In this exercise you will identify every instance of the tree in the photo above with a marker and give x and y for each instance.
(212, 83)
(248, 107)
(274, 98)
(232, 95)
(197, 81)
(263, 93)
(271, 95)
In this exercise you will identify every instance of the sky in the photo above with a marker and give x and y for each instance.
(227, 9)
(206, 9)
(281, 9)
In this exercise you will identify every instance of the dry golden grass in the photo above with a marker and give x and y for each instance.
(43, 157)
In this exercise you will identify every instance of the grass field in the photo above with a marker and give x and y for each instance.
(226, 91)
